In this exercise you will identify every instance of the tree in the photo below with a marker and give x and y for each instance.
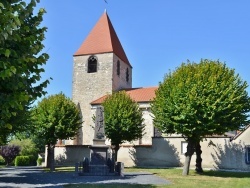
(9, 153)
(123, 120)
(200, 99)
(27, 146)
(21, 61)
(56, 117)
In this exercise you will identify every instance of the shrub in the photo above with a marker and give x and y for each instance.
(9, 153)
(27, 146)
(32, 160)
(2, 162)
(39, 161)
(22, 161)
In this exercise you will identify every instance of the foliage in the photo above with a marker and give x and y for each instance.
(2, 161)
(9, 153)
(27, 146)
(123, 119)
(200, 99)
(56, 117)
(39, 161)
(22, 161)
(21, 62)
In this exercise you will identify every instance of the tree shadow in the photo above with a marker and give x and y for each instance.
(60, 159)
(226, 174)
(229, 156)
(71, 154)
(160, 154)
(36, 177)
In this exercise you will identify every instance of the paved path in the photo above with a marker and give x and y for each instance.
(30, 177)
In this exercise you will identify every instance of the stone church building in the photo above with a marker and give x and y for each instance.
(100, 67)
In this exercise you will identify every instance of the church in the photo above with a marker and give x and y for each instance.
(101, 67)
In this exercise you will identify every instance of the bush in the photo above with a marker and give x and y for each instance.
(32, 161)
(2, 162)
(25, 160)
(39, 161)
(22, 161)
(9, 153)
(27, 146)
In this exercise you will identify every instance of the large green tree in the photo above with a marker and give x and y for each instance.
(200, 99)
(56, 117)
(21, 61)
(123, 120)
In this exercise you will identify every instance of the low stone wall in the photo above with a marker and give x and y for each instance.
(165, 152)
(68, 155)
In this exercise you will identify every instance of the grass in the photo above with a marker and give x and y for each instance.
(62, 169)
(208, 179)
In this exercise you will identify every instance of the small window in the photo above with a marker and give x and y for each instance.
(127, 75)
(118, 68)
(92, 64)
(247, 155)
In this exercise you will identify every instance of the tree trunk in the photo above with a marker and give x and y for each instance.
(198, 158)
(188, 156)
(117, 147)
(50, 157)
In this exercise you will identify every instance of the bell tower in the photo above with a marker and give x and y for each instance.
(100, 67)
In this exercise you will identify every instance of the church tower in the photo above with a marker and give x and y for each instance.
(100, 67)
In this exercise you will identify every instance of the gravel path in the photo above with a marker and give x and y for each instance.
(30, 177)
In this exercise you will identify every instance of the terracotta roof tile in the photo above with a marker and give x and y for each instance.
(137, 94)
(102, 39)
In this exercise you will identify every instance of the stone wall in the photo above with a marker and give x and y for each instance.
(88, 87)
(217, 153)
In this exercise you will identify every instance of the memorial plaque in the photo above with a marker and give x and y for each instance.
(98, 156)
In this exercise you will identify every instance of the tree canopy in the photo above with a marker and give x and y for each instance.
(21, 61)
(201, 99)
(123, 119)
(56, 117)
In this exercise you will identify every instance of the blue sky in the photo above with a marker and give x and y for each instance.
(157, 36)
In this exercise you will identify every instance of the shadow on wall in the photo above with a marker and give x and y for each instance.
(229, 156)
(161, 153)
(71, 154)
(80, 133)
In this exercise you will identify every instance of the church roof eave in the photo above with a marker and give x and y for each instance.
(139, 95)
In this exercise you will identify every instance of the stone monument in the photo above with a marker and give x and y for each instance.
(100, 163)
(99, 150)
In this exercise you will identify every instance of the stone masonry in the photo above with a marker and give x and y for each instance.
(88, 87)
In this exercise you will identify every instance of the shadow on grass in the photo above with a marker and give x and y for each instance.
(226, 174)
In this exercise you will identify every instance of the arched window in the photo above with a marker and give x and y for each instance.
(92, 64)
(118, 68)
(127, 75)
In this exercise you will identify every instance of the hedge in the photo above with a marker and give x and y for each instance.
(22, 161)
(29, 160)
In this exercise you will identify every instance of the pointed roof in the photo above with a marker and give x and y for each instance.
(102, 39)
(139, 95)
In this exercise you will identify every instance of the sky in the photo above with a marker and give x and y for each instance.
(157, 36)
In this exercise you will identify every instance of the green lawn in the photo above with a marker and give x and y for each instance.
(209, 179)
